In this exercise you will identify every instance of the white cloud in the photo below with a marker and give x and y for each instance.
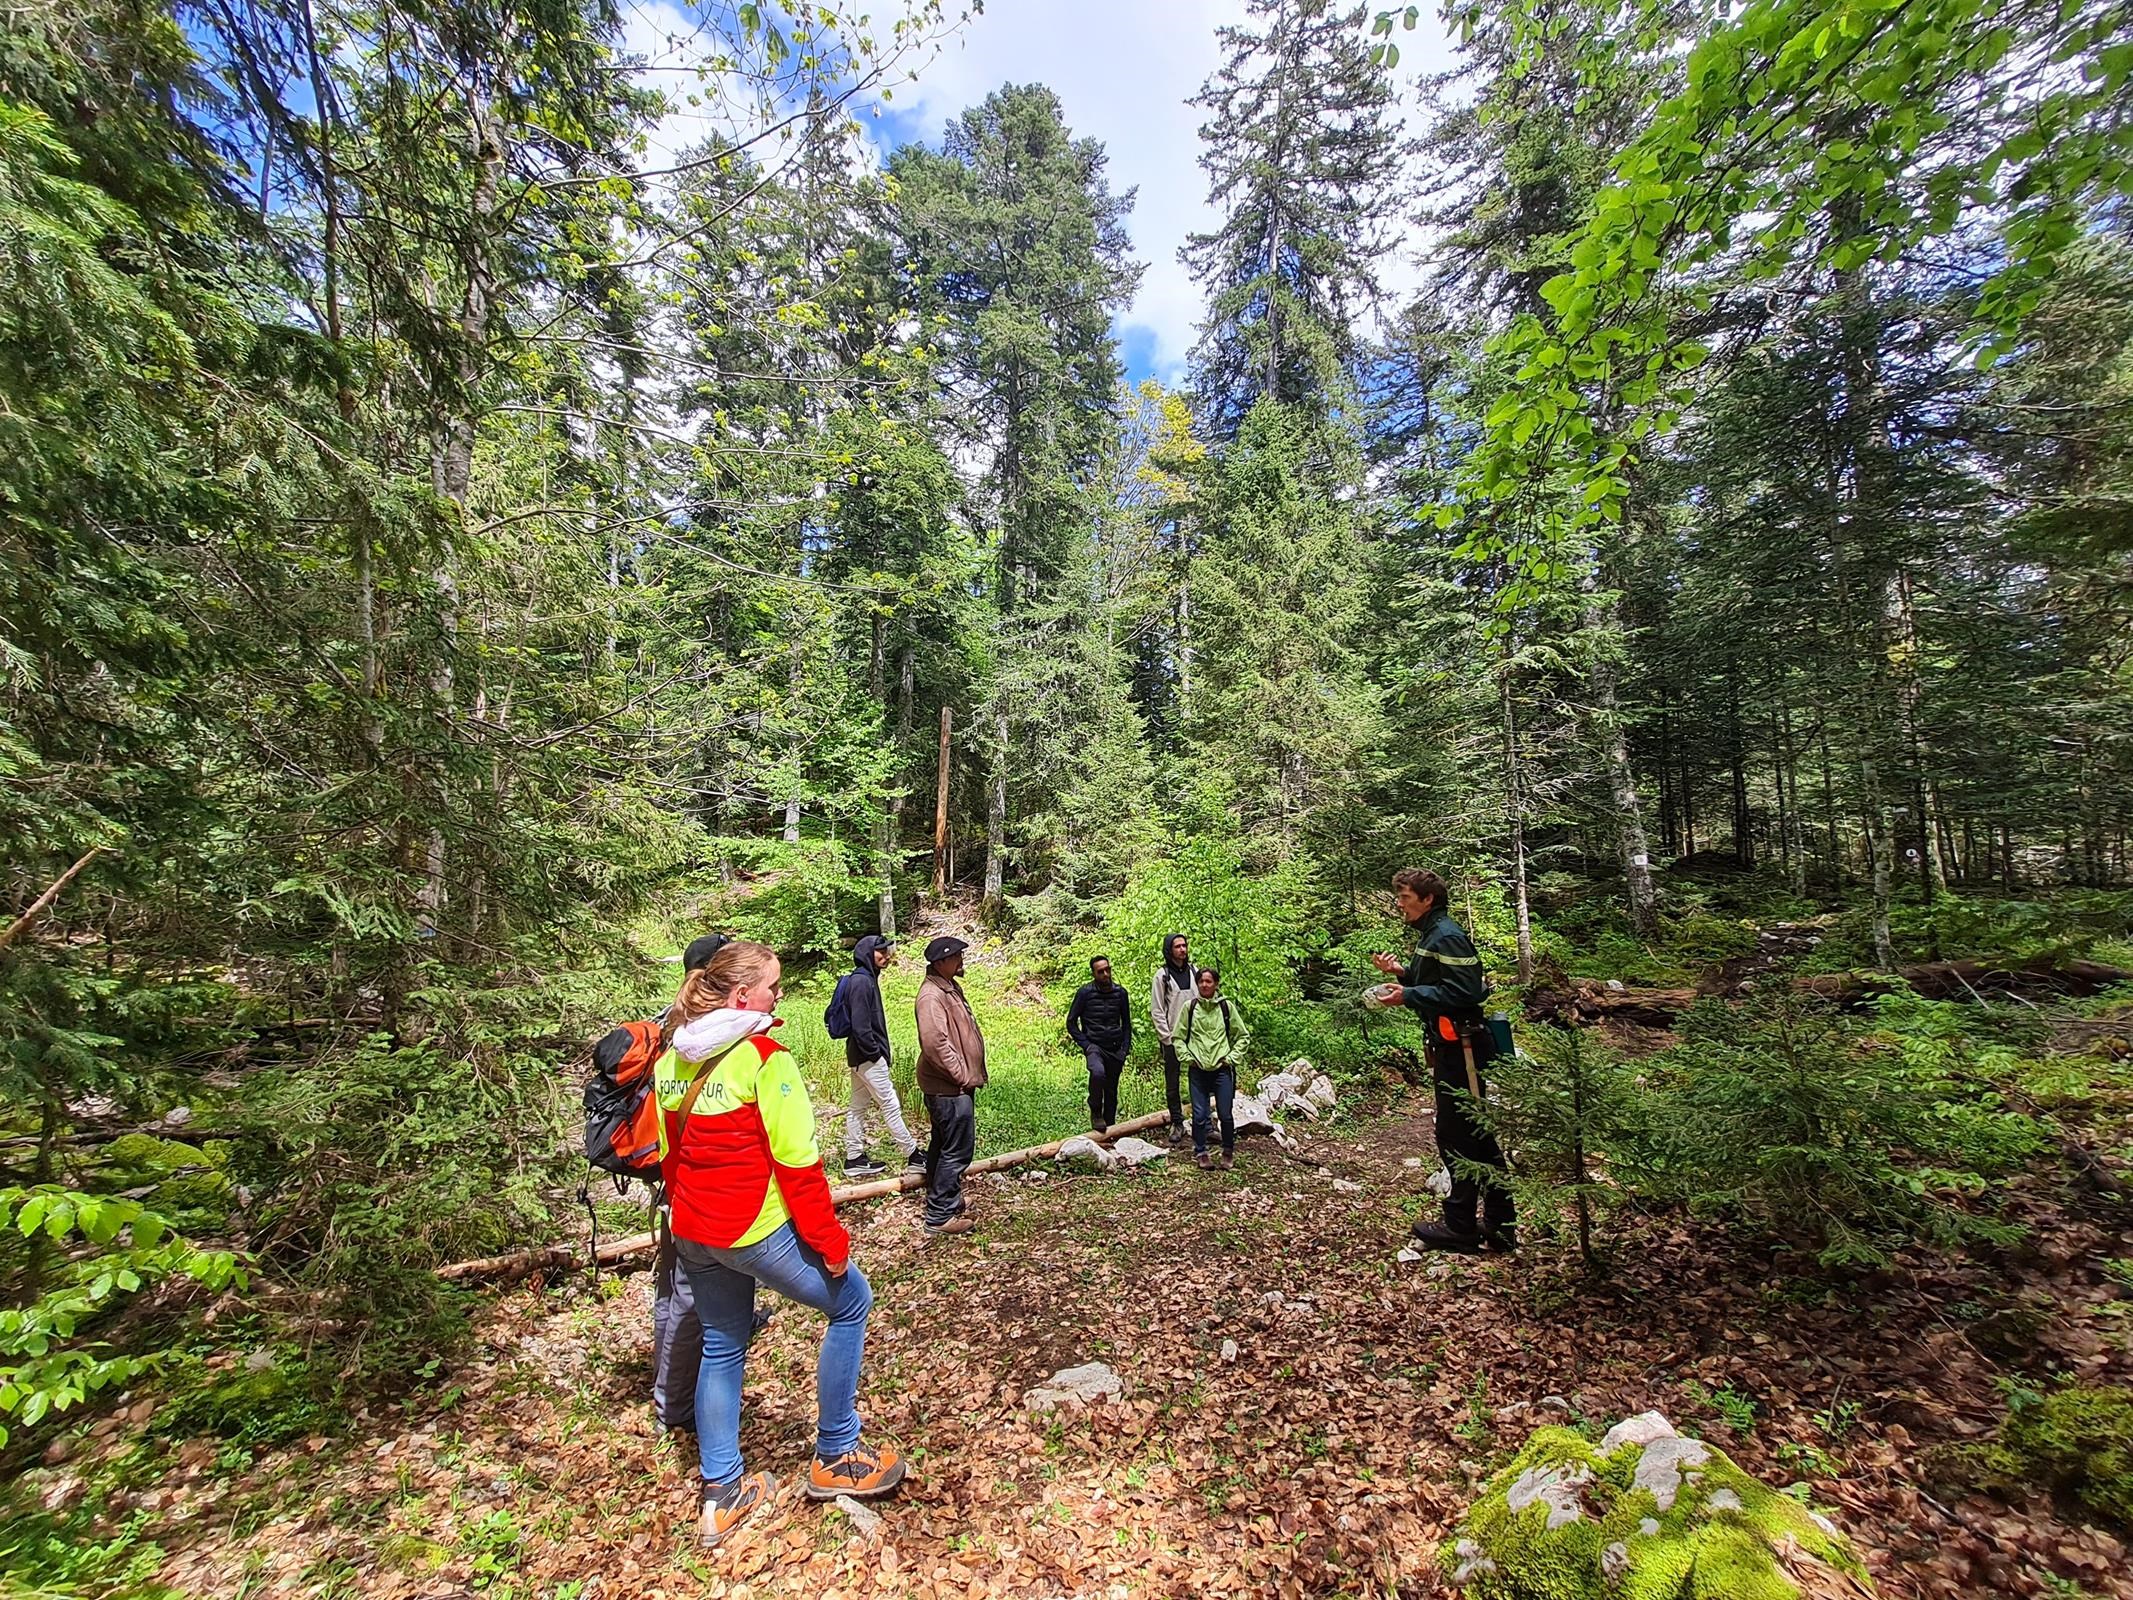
(1123, 71)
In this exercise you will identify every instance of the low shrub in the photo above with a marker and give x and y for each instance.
(2074, 1442)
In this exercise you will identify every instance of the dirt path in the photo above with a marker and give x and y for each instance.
(1327, 1458)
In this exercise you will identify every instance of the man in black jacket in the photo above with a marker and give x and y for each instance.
(866, 1053)
(1101, 1022)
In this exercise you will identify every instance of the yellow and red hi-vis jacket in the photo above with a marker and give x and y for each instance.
(747, 1161)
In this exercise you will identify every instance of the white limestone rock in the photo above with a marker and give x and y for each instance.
(1643, 1428)
(1133, 1152)
(1075, 1386)
(1084, 1152)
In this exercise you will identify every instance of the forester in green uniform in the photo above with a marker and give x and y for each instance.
(1445, 987)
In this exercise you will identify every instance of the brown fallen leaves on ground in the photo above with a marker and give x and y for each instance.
(1364, 1400)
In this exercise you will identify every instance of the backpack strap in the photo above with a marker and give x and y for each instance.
(1229, 1024)
(688, 1104)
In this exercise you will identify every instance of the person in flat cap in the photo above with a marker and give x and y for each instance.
(951, 1070)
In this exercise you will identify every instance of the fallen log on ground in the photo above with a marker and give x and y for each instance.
(1586, 1000)
(563, 1257)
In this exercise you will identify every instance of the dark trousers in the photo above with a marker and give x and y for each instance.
(1170, 1086)
(1219, 1086)
(677, 1337)
(1461, 1137)
(1104, 1073)
(953, 1147)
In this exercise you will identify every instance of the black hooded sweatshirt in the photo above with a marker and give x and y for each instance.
(862, 1000)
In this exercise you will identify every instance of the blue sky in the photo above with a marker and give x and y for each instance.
(1123, 71)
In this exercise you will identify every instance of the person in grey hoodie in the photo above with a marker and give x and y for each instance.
(866, 1054)
(1167, 999)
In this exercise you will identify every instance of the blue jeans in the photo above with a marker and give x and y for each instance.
(1219, 1086)
(724, 1283)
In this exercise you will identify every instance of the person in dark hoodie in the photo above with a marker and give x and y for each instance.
(1100, 1021)
(866, 1053)
(1167, 999)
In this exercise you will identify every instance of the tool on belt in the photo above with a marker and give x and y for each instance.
(1462, 1034)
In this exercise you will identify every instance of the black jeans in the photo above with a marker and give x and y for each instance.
(677, 1337)
(953, 1147)
(1170, 1086)
(1104, 1073)
(1220, 1086)
(1461, 1136)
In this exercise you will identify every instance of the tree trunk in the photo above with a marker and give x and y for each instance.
(940, 815)
(1743, 826)
(1605, 724)
(1515, 807)
(1796, 822)
(996, 814)
(893, 823)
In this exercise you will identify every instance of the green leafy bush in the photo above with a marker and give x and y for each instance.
(108, 1250)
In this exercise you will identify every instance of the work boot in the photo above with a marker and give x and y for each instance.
(863, 1167)
(862, 1472)
(725, 1505)
(953, 1225)
(1443, 1236)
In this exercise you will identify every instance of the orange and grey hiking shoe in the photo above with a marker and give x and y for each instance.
(726, 1505)
(862, 1472)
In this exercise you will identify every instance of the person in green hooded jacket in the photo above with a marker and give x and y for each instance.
(1211, 1037)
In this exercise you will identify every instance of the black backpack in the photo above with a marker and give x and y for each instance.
(837, 1015)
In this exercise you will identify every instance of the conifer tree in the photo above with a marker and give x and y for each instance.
(1302, 154)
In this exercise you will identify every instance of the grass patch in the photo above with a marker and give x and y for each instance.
(1039, 1088)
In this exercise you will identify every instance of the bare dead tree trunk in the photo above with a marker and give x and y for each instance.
(940, 814)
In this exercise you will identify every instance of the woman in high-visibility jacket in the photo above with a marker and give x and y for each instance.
(751, 1205)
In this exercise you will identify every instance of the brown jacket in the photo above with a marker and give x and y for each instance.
(951, 1051)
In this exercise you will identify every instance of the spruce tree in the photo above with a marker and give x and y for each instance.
(1302, 154)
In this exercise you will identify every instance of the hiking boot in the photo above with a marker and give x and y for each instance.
(726, 1504)
(1504, 1238)
(1176, 1135)
(862, 1472)
(1229, 1159)
(864, 1167)
(953, 1225)
(1204, 1161)
(1443, 1236)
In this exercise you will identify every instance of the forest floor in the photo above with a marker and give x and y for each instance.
(1365, 1399)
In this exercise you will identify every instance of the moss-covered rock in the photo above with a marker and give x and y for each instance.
(1645, 1515)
